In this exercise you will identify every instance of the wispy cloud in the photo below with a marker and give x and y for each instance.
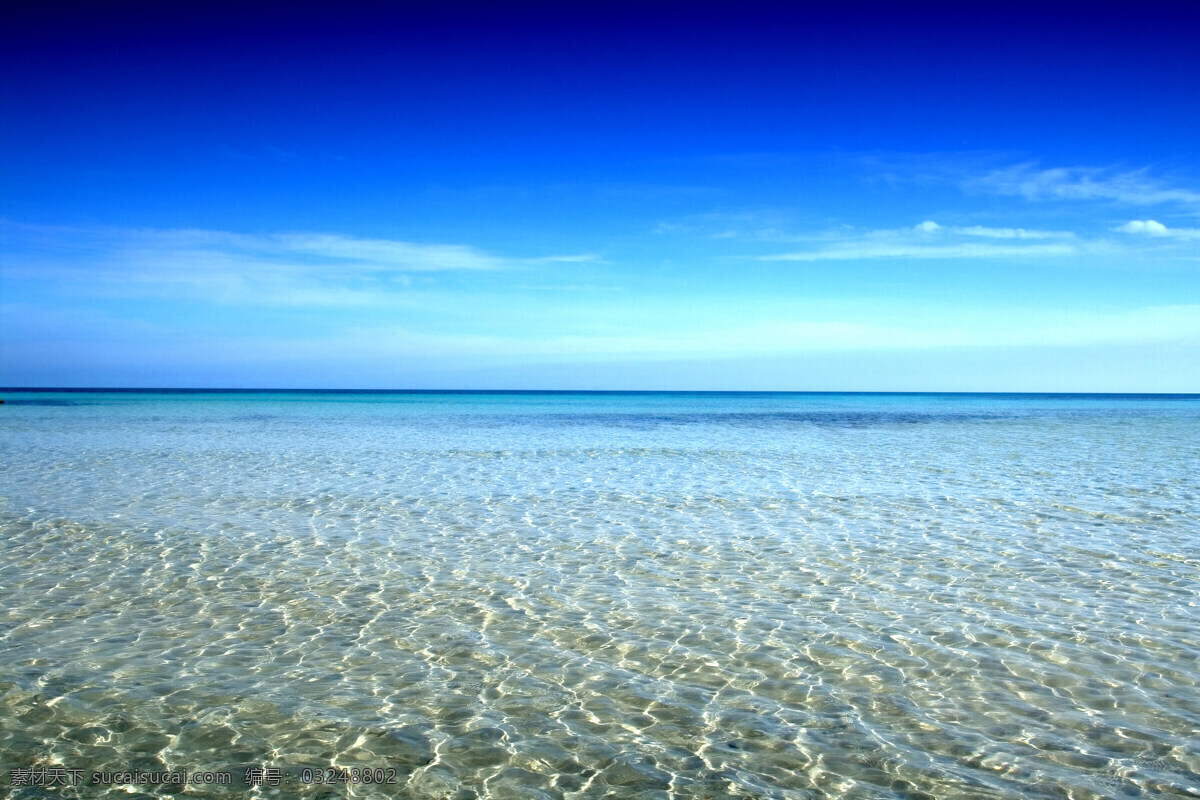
(929, 226)
(757, 224)
(867, 250)
(1012, 233)
(1150, 227)
(1132, 187)
(295, 268)
(579, 258)
(928, 240)
(308, 252)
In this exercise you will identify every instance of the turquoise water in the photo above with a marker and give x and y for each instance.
(593, 595)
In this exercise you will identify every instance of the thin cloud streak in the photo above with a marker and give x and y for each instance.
(928, 240)
(1011, 233)
(874, 251)
(929, 226)
(275, 269)
(1134, 187)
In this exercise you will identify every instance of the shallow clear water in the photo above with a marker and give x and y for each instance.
(680, 595)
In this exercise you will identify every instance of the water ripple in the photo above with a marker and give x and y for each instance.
(993, 604)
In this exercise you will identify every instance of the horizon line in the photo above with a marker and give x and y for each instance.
(295, 390)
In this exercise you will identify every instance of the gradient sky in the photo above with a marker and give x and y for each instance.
(963, 197)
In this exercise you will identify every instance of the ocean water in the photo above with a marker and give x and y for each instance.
(599, 595)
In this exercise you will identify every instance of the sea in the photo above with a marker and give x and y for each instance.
(598, 595)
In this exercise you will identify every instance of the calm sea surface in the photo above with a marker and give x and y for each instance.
(594, 595)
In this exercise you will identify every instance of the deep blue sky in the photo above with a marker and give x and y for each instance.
(763, 196)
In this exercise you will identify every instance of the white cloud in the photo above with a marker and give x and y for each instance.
(1147, 226)
(872, 250)
(673, 227)
(1133, 187)
(1150, 227)
(927, 240)
(929, 226)
(309, 252)
(579, 258)
(281, 269)
(1012, 233)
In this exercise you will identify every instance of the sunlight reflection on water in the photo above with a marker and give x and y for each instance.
(578, 596)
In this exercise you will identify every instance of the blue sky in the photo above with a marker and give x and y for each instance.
(766, 196)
